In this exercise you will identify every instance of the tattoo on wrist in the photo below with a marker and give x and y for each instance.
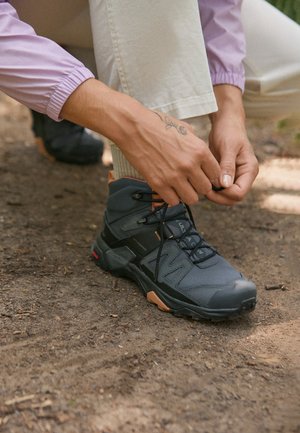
(169, 123)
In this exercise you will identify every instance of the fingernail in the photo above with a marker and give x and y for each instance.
(227, 180)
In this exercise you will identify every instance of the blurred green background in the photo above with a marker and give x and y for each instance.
(290, 7)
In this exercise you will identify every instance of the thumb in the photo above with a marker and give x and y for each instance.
(227, 165)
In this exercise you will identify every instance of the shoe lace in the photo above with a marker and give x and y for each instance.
(161, 210)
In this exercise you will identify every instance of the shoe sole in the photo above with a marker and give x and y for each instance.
(108, 260)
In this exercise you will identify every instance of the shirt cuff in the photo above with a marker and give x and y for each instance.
(233, 78)
(65, 89)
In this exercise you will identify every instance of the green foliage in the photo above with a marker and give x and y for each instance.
(297, 137)
(282, 124)
(291, 8)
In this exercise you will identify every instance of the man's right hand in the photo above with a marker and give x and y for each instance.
(177, 165)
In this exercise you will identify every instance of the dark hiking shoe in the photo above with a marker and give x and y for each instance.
(64, 141)
(159, 248)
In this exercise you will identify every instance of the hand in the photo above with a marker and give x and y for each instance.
(177, 165)
(230, 145)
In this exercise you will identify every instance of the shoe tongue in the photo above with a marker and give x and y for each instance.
(181, 225)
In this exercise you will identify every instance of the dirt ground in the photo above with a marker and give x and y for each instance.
(81, 351)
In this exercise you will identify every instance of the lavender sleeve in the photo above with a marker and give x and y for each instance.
(35, 70)
(224, 40)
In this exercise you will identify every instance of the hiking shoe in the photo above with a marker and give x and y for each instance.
(65, 141)
(160, 249)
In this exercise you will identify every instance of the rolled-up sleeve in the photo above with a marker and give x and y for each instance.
(224, 40)
(34, 70)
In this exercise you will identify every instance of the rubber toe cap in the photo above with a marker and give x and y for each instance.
(242, 291)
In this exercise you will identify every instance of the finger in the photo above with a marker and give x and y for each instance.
(170, 197)
(242, 185)
(186, 192)
(227, 166)
(232, 194)
(166, 193)
(245, 179)
(218, 198)
(240, 188)
(200, 183)
(211, 168)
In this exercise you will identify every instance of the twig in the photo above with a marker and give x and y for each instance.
(276, 287)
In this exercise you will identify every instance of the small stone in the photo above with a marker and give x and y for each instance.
(209, 365)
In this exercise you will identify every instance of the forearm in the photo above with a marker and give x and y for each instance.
(98, 107)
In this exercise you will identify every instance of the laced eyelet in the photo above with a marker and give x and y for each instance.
(137, 196)
(162, 235)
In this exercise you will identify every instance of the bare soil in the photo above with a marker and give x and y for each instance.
(81, 351)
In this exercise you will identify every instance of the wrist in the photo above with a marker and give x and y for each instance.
(230, 105)
(122, 114)
(101, 109)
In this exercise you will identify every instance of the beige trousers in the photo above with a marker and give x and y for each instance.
(154, 51)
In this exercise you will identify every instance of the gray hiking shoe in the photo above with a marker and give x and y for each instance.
(160, 249)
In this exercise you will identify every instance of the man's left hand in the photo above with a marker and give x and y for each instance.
(230, 145)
